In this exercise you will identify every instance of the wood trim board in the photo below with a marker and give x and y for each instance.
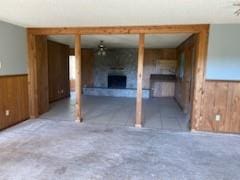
(163, 29)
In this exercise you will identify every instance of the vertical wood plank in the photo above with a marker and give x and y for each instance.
(139, 82)
(32, 76)
(58, 71)
(42, 74)
(87, 56)
(37, 75)
(201, 55)
(233, 124)
(78, 82)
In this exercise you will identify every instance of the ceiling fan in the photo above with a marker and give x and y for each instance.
(237, 12)
(101, 51)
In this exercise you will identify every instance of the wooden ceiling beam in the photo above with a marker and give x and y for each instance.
(196, 28)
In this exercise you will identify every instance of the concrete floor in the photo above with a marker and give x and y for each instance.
(54, 149)
(159, 113)
(106, 147)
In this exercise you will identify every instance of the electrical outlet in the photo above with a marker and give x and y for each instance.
(7, 112)
(218, 117)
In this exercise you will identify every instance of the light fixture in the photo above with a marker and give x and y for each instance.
(237, 12)
(101, 49)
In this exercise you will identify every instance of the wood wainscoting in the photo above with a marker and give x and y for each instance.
(220, 98)
(14, 100)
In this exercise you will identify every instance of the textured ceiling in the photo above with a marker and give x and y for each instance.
(51, 13)
(125, 41)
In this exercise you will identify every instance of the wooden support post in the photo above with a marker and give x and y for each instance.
(201, 56)
(78, 82)
(32, 77)
(37, 75)
(138, 123)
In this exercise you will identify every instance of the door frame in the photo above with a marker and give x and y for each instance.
(201, 30)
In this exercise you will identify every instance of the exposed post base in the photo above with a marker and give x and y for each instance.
(79, 120)
(138, 126)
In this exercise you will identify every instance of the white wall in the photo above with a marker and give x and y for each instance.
(223, 61)
(13, 49)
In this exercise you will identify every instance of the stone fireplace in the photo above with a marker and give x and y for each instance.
(121, 62)
(115, 75)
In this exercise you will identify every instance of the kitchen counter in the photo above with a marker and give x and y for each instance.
(162, 85)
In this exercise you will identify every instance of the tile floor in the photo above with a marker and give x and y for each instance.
(159, 113)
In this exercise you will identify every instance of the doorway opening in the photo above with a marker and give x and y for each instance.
(169, 72)
(37, 38)
(109, 82)
(72, 72)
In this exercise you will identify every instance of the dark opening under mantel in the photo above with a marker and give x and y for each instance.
(163, 77)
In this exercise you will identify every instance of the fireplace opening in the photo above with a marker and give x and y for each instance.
(117, 81)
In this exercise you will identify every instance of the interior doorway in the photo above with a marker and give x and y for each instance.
(169, 66)
(72, 72)
(36, 34)
(105, 78)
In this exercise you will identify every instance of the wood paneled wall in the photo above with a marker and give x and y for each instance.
(150, 58)
(14, 98)
(58, 71)
(37, 75)
(163, 89)
(184, 86)
(220, 98)
(87, 67)
(42, 71)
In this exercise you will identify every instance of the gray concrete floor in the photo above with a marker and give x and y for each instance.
(51, 149)
(158, 113)
(58, 148)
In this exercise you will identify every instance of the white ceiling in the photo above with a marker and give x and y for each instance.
(125, 41)
(52, 13)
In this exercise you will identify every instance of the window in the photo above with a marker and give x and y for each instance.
(72, 73)
(181, 66)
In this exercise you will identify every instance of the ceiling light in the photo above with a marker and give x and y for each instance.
(101, 49)
(237, 12)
